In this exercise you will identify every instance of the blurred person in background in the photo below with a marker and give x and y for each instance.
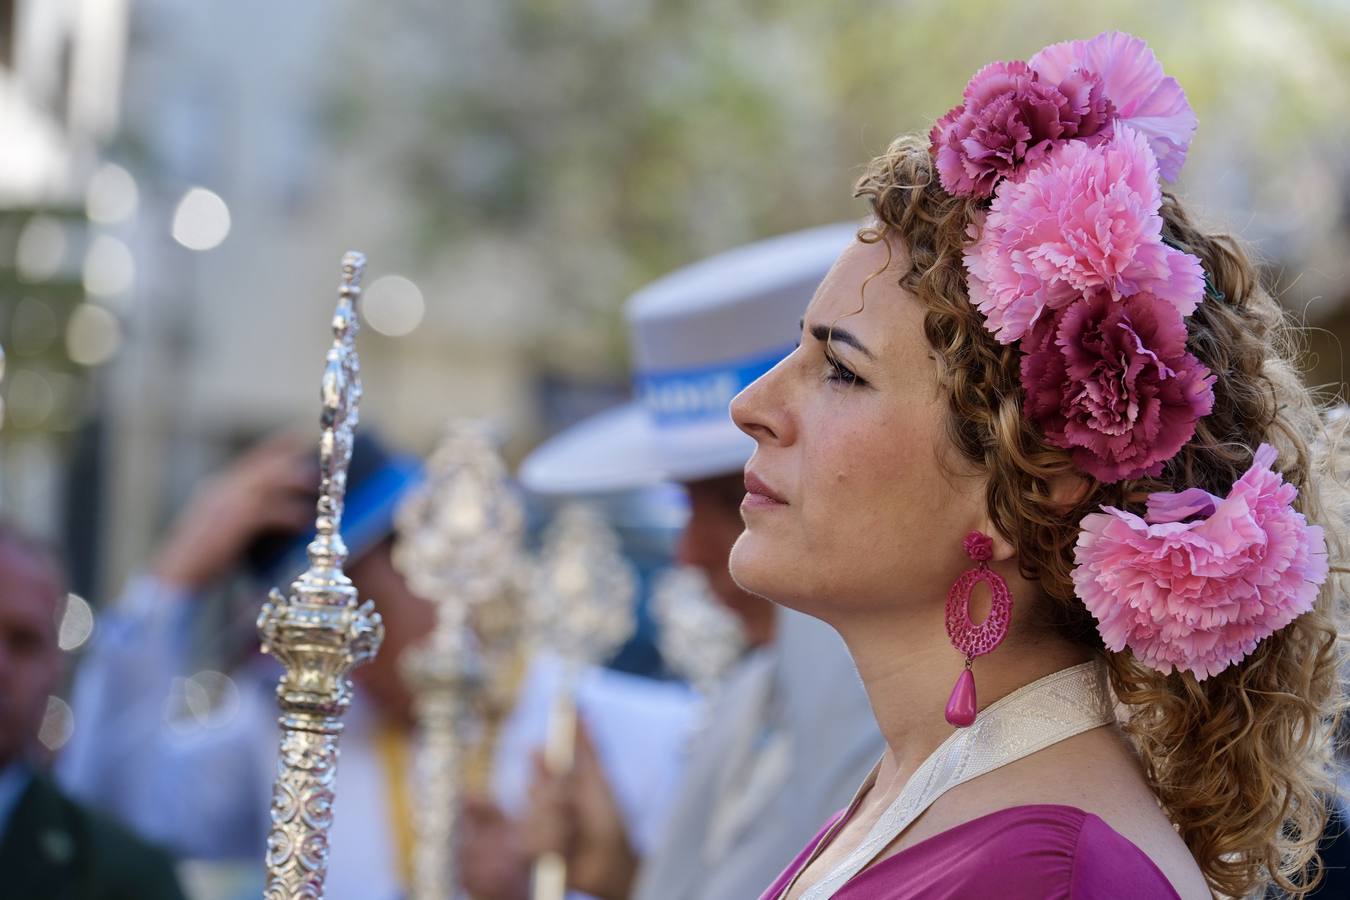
(51, 845)
(781, 747)
(203, 787)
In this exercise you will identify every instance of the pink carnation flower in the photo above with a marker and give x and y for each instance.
(1133, 80)
(1199, 595)
(1113, 383)
(1084, 221)
(1009, 120)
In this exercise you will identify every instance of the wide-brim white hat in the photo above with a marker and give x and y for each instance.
(698, 336)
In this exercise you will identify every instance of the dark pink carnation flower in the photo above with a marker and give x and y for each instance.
(1009, 120)
(1112, 382)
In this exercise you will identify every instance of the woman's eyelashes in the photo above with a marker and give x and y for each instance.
(838, 373)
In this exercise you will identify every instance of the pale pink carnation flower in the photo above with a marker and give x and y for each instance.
(1199, 595)
(1133, 80)
(1083, 221)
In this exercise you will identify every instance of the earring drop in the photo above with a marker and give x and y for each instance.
(969, 639)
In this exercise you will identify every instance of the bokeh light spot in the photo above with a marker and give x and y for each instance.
(77, 623)
(41, 249)
(108, 267)
(93, 335)
(31, 399)
(111, 196)
(202, 220)
(393, 305)
(58, 724)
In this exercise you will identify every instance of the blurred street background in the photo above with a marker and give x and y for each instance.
(178, 181)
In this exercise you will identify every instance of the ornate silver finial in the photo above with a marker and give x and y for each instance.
(582, 610)
(319, 633)
(459, 532)
(458, 537)
(699, 638)
(582, 606)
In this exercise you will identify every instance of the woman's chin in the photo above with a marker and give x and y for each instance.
(756, 569)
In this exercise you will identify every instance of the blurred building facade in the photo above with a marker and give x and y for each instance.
(61, 64)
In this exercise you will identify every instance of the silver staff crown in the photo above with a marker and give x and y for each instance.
(582, 606)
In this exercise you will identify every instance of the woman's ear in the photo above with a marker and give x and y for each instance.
(1003, 548)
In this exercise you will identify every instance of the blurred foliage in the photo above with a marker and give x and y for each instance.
(612, 140)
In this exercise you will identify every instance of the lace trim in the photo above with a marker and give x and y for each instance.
(1045, 712)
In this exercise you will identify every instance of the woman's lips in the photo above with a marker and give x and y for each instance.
(759, 495)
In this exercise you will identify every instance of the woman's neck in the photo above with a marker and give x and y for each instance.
(908, 669)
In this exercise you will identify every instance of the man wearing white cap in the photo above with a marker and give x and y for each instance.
(784, 746)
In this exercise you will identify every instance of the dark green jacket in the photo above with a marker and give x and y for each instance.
(54, 849)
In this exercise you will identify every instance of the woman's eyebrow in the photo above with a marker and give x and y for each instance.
(826, 333)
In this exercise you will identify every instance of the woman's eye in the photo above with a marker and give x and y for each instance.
(841, 374)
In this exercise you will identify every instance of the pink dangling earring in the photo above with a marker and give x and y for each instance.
(970, 639)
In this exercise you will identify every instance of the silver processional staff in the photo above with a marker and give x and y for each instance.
(319, 633)
(581, 609)
(458, 538)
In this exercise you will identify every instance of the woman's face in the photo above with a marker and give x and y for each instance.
(848, 507)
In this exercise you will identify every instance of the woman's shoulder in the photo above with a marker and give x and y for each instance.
(1108, 864)
(1030, 851)
(1074, 851)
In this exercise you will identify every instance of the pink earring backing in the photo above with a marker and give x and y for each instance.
(969, 639)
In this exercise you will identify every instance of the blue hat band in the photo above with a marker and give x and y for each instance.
(693, 396)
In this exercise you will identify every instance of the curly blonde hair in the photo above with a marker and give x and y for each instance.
(1240, 761)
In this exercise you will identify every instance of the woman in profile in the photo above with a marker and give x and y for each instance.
(1042, 461)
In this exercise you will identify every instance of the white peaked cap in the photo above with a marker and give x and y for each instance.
(697, 337)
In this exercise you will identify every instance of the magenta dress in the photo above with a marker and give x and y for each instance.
(1040, 852)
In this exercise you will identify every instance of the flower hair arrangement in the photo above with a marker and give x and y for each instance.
(1069, 261)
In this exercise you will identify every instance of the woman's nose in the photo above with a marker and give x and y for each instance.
(759, 411)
